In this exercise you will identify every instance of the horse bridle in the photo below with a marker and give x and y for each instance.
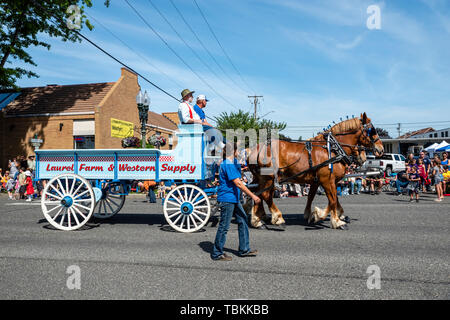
(370, 131)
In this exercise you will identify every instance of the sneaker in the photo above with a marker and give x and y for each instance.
(437, 200)
(224, 257)
(251, 253)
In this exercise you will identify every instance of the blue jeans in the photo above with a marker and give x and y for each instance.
(227, 209)
(358, 186)
(400, 185)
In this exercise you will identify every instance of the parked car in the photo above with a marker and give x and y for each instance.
(388, 162)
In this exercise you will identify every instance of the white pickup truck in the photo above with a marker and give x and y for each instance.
(388, 162)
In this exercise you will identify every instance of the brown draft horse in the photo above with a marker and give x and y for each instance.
(292, 158)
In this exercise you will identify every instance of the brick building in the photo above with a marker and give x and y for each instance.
(73, 116)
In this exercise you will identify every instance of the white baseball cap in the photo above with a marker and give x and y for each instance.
(202, 97)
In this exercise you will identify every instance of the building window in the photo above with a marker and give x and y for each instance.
(84, 142)
(446, 133)
(435, 135)
(442, 134)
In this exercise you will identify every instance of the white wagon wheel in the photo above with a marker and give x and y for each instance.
(111, 202)
(187, 208)
(68, 201)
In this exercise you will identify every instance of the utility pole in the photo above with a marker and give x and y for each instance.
(399, 128)
(255, 103)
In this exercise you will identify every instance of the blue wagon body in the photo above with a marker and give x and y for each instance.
(185, 162)
(87, 180)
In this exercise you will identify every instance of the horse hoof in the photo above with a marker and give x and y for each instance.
(347, 219)
(343, 227)
(262, 227)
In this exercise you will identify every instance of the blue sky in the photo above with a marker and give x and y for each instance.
(313, 61)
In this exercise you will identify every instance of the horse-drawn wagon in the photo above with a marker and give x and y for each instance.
(95, 182)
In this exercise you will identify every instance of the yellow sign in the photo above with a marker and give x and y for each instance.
(121, 129)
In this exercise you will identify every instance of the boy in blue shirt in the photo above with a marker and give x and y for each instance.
(228, 197)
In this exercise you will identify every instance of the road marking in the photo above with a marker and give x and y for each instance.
(24, 204)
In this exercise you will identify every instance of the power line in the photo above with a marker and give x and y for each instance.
(184, 41)
(135, 52)
(176, 54)
(204, 47)
(221, 47)
(107, 53)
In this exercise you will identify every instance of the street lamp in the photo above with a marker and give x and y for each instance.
(143, 103)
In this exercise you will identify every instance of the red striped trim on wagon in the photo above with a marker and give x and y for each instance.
(56, 159)
(96, 158)
(145, 158)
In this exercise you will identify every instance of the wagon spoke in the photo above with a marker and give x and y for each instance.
(78, 188)
(109, 205)
(181, 197)
(69, 220)
(200, 201)
(182, 221)
(52, 203)
(174, 204)
(193, 220)
(170, 209)
(60, 185)
(195, 198)
(188, 223)
(57, 191)
(201, 207)
(57, 214)
(174, 214)
(74, 215)
(111, 200)
(199, 212)
(190, 196)
(79, 212)
(195, 215)
(81, 194)
(175, 222)
(61, 222)
(54, 196)
(81, 206)
(73, 185)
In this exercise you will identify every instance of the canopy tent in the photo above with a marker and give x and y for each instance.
(441, 145)
(432, 147)
(445, 148)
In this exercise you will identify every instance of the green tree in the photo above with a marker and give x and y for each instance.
(245, 121)
(383, 133)
(22, 24)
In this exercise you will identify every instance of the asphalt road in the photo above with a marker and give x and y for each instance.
(136, 256)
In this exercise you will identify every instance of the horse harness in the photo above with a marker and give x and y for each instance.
(332, 146)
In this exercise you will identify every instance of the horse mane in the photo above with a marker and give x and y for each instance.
(346, 126)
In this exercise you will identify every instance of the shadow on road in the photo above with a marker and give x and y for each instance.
(208, 246)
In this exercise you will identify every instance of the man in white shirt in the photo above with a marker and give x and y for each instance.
(186, 112)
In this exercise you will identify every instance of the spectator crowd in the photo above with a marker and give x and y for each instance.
(421, 175)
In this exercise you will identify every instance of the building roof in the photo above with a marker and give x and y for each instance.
(414, 133)
(159, 121)
(56, 99)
